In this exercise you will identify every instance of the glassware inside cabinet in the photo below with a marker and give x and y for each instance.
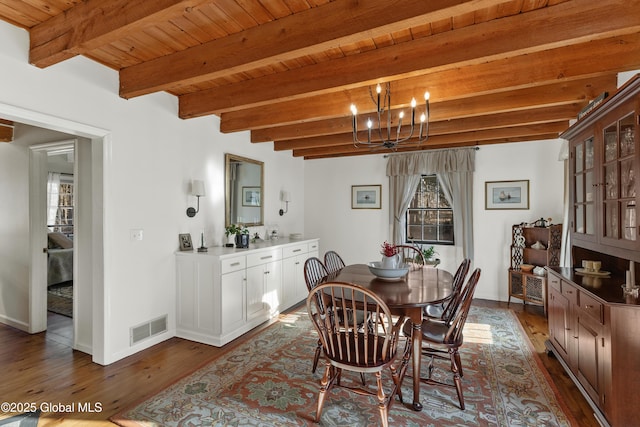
(630, 221)
(627, 142)
(588, 153)
(611, 220)
(611, 181)
(579, 157)
(610, 143)
(627, 178)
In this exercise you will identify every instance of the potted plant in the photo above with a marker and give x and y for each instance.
(241, 234)
(390, 256)
(429, 255)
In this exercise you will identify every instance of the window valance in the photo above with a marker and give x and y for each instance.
(435, 161)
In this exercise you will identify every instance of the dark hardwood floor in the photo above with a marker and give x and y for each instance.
(42, 368)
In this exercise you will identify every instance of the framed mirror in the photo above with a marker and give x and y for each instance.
(243, 191)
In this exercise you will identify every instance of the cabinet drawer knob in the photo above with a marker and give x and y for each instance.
(588, 306)
(234, 264)
(266, 257)
(297, 250)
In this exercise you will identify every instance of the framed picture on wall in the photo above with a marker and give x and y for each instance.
(251, 196)
(185, 242)
(366, 196)
(506, 194)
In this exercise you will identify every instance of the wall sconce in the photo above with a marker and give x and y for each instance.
(285, 196)
(197, 189)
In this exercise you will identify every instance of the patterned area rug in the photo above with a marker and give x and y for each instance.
(268, 382)
(60, 299)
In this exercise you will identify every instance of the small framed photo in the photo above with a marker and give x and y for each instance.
(185, 242)
(251, 196)
(506, 194)
(366, 196)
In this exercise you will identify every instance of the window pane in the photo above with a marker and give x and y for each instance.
(446, 233)
(429, 217)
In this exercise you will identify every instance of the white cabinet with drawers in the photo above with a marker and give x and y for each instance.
(226, 292)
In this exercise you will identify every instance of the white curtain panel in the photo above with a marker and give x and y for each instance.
(565, 254)
(53, 198)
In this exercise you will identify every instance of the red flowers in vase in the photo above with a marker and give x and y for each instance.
(389, 249)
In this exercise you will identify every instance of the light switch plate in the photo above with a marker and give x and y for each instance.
(136, 234)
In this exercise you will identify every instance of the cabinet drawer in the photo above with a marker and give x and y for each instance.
(592, 307)
(263, 257)
(289, 251)
(228, 265)
(570, 292)
(554, 282)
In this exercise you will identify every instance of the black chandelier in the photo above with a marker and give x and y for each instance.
(386, 138)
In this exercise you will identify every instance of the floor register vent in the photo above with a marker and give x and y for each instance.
(149, 329)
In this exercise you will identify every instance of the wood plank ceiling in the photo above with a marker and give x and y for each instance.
(287, 70)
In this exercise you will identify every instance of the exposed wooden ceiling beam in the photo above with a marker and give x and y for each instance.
(363, 152)
(599, 57)
(451, 140)
(94, 23)
(6, 130)
(311, 31)
(345, 140)
(567, 24)
(511, 118)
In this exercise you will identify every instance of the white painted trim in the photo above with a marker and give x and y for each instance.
(101, 138)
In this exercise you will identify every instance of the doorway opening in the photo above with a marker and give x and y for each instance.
(89, 321)
(60, 225)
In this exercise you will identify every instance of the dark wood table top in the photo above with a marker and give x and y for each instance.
(417, 289)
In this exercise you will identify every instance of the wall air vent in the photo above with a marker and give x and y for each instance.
(148, 329)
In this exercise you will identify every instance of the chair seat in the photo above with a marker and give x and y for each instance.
(433, 331)
(434, 311)
(436, 332)
(355, 357)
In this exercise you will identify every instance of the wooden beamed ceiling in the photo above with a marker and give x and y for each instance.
(287, 70)
(6, 130)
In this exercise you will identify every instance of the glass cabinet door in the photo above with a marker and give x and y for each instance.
(618, 181)
(583, 187)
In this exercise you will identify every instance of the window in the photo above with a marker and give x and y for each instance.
(429, 217)
(61, 219)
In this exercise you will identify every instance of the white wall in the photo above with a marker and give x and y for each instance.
(14, 229)
(358, 234)
(150, 157)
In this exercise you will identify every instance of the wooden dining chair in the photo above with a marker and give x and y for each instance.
(314, 273)
(348, 347)
(445, 309)
(333, 261)
(412, 256)
(442, 340)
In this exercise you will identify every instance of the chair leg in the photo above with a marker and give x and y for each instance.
(459, 363)
(397, 380)
(382, 401)
(456, 376)
(325, 384)
(316, 357)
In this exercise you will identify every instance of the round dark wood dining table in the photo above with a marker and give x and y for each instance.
(406, 297)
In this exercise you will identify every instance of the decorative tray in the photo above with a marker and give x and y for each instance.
(592, 273)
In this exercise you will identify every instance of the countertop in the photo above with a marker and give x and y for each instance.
(608, 289)
(256, 245)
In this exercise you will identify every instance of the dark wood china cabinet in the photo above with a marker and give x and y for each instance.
(594, 325)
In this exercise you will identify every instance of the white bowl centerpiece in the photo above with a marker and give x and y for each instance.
(376, 268)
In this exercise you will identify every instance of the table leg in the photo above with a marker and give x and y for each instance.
(416, 341)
